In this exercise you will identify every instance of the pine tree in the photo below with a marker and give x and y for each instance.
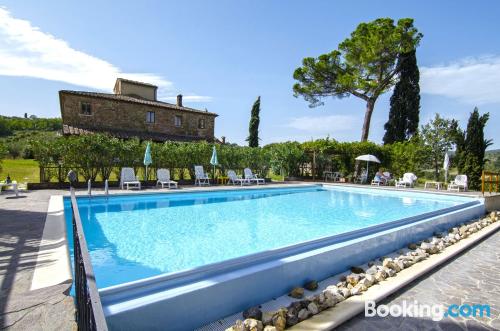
(253, 128)
(405, 101)
(471, 158)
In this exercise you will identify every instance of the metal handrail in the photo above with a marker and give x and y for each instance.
(89, 313)
(490, 178)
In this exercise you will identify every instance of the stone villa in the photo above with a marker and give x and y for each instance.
(133, 111)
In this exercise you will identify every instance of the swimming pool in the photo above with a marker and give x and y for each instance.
(176, 252)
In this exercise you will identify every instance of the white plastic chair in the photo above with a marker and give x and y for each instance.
(163, 178)
(233, 178)
(408, 180)
(251, 177)
(201, 177)
(459, 182)
(128, 178)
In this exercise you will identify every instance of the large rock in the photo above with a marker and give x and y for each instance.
(380, 276)
(353, 279)
(303, 314)
(372, 270)
(313, 308)
(297, 293)
(267, 317)
(279, 319)
(357, 270)
(311, 285)
(251, 324)
(345, 292)
(270, 328)
(238, 326)
(253, 312)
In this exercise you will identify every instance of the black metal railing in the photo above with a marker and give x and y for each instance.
(89, 313)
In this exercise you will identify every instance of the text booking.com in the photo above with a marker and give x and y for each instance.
(434, 312)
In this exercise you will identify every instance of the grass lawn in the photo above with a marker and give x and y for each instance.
(21, 170)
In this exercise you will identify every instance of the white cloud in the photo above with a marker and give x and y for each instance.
(25, 51)
(470, 80)
(324, 124)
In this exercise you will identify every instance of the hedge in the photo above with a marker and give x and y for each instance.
(99, 155)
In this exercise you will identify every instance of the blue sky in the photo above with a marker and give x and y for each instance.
(222, 54)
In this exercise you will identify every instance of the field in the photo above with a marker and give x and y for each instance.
(21, 170)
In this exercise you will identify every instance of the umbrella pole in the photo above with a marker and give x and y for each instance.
(367, 165)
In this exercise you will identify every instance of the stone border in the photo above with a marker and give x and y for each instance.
(53, 262)
(338, 303)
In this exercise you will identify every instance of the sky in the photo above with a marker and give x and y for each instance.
(221, 55)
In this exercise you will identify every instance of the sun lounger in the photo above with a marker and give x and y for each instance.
(201, 178)
(251, 177)
(408, 180)
(128, 178)
(163, 178)
(460, 182)
(235, 179)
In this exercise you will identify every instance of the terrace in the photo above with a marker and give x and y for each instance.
(28, 246)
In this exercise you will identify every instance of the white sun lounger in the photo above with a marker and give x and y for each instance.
(408, 180)
(128, 178)
(252, 178)
(235, 179)
(460, 182)
(201, 177)
(163, 178)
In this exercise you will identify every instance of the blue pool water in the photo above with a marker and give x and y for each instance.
(138, 236)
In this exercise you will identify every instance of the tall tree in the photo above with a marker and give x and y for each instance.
(365, 65)
(438, 136)
(253, 127)
(472, 150)
(405, 101)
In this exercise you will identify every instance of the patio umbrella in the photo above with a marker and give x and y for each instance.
(213, 160)
(446, 166)
(147, 159)
(368, 158)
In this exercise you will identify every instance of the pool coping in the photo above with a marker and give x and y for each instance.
(55, 242)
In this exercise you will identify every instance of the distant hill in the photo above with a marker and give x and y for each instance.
(10, 125)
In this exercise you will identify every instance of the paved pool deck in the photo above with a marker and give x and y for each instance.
(22, 221)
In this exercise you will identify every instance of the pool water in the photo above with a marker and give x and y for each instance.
(138, 236)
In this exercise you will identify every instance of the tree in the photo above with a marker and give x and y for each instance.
(405, 101)
(365, 65)
(438, 136)
(473, 146)
(253, 127)
(3, 153)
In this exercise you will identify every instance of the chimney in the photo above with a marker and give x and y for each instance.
(179, 100)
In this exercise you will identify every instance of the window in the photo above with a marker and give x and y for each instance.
(150, 117)
(201, 123)
(86, 108)
(178, 121)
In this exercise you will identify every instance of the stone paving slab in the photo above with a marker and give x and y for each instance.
(22, 221)
(471, 278)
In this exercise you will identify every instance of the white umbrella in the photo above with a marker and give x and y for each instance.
(368, 158)
(446, 166)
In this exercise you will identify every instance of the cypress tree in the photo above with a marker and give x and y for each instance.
(253, 128)
(405, 101)
(471, 159)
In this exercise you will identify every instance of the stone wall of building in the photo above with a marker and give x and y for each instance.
(128, 116)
